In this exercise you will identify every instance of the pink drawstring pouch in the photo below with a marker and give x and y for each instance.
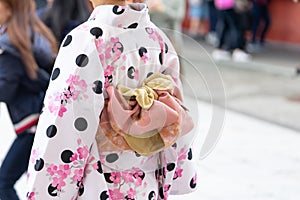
(145, 120)
(224, 4)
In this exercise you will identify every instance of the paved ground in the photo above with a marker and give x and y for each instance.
(267, 88)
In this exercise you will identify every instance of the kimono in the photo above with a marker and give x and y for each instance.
(117, 45)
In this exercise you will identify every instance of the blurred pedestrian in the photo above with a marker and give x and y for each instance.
(244, 22)
(195, 14)
(231, 32)
(260, 13)
(167, 13)
(63, 16)
(27, 49)
(226, 30)
(40, 3)
(75, 154)
(211, 38)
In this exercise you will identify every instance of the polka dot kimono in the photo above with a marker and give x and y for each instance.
(117, 45)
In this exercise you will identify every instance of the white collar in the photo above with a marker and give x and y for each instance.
(129, 16)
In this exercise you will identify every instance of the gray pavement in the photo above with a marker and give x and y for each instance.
(267, 88)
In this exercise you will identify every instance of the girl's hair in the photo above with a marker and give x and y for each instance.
(19, 29)
(62, 12)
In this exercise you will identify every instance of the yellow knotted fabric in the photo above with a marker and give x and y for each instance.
(145, 95)
(147, 143)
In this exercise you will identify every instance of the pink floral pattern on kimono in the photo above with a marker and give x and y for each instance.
(117, 45)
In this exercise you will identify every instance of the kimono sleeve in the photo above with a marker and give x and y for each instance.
(69, 121)
(185, 173)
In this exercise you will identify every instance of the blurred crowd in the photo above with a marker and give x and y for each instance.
(236, 27)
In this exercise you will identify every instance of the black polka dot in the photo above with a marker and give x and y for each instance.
(67, 41)
(39, 164)
(161, 193)
(99, 165)
(55, 74)
(128, 198)
(81, 188)
(159, 172)
(82, 60)
(112, 158)
(156, 174)
(104, 195)
(118, 10)
(171, 166)
(42, 110)
(152, 195)
(109, 78)
(98, 87)
(149, 74)
(66, 156)
(193, 184)
(166, 48)
(137, 154)
(190, 154)
(142, 51)
(131, 72)
(52, 191)
(81, 124)
(160, 58)
(97, 32)
(134, 25)
(174, 145)
(107, 177)
(51, 131)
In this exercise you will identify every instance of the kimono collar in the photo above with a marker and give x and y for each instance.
(129, 16)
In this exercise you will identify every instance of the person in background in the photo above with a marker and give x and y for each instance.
(230, 33)
(195, 13)
(211, 38)
(27, 50)
(244, 22)
(75, 154)
(40, 4)
(260, 12)
(63, 16)
(167, 13)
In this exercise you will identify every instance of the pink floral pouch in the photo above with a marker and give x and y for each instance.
(146, 119)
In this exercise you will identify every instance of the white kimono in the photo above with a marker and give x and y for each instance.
(117, 45)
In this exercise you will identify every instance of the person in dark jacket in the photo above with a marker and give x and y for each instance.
(27, 49)
(260, 12)
(63, 16)
(40, 3)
